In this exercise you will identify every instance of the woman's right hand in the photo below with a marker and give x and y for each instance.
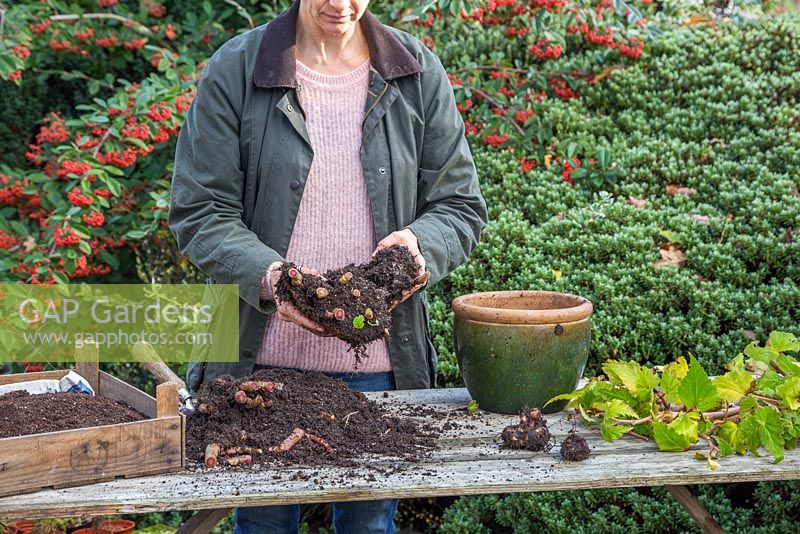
(286, 310)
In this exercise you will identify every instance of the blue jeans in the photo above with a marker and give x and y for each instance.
(355, 517)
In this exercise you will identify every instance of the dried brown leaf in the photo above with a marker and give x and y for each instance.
(29, 243)
(671, 255)
(702, 219)
(675, 189)
(637, 202)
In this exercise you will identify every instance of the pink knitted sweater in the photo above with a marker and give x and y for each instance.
(334, 222)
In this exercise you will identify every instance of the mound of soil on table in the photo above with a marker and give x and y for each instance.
(352, 303)
(301, 417)
(22, 413)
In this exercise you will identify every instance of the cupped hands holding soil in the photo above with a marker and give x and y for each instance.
(353, 303)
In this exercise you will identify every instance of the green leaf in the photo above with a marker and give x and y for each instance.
(134, 235)
(572, 148)
(671, 378)
(610, 430)
(768, 421)
(791, 429)
(110, 259)
(84, 246)
(729, 433)
(60, 277)
(760, 354)
(573, 395)
(748, 434)
(638, 380)
(697, 391)
(138, 142)
(789, 392)
(668, 439)
(769, 383)
(783, 341)
(113, 186)
(603, 157)
(788, 364)
(736, 364)
(686, 425)
(733, 385)
(19, 228)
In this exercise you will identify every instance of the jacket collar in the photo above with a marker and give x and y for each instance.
(275, 63)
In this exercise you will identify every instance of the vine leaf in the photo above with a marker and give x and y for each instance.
(736, 364)
(729, 439)
(787, 364)
(671, 378)
(639, 381)
(769, 383)
(734, 385)
(697, 391)
(748, 434)
(789, 392)
(760, 354)
(770, 431)
(783, 341)
(614, 409)
(668, 439)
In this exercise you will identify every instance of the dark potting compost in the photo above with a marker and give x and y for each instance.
(295, 417)
(353, 303)
(22, 413)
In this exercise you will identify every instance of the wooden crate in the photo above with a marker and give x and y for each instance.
(101, 453)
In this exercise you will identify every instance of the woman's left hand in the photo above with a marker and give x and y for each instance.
(407, 238)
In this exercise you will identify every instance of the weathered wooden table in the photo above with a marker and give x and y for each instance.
(468, 461)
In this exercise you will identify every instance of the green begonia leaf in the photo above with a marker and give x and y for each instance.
(668, 439)
(783, 341)
(733, 385)
(770, 431)
(697, 391)
(671, 378)
(789, 392)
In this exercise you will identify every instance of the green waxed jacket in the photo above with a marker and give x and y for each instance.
(244, 154)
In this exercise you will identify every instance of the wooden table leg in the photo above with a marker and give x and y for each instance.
(695, 509)
(204, 521)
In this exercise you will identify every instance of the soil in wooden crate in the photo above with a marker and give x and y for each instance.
(297, 417)
(353, 303)
(22, 414)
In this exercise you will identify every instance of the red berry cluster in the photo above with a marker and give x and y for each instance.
(542, 49)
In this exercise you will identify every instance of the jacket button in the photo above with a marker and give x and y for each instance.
(294, 184)
(289, 108)
(247, 353)
(382, 170)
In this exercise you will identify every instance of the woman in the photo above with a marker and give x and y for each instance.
(319, 139)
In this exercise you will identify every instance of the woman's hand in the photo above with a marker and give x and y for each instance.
(286, 310)
(407, 238)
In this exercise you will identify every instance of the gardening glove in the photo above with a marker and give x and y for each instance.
(406, 238)
(286, 311)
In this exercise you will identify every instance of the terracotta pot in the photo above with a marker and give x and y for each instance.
(26, 527)
(91, 530)
(22, 527)
(118, 526)
(521, 348)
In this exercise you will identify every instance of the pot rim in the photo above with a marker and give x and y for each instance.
(574, 308)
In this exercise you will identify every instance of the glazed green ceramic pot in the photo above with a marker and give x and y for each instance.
(521, 348)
